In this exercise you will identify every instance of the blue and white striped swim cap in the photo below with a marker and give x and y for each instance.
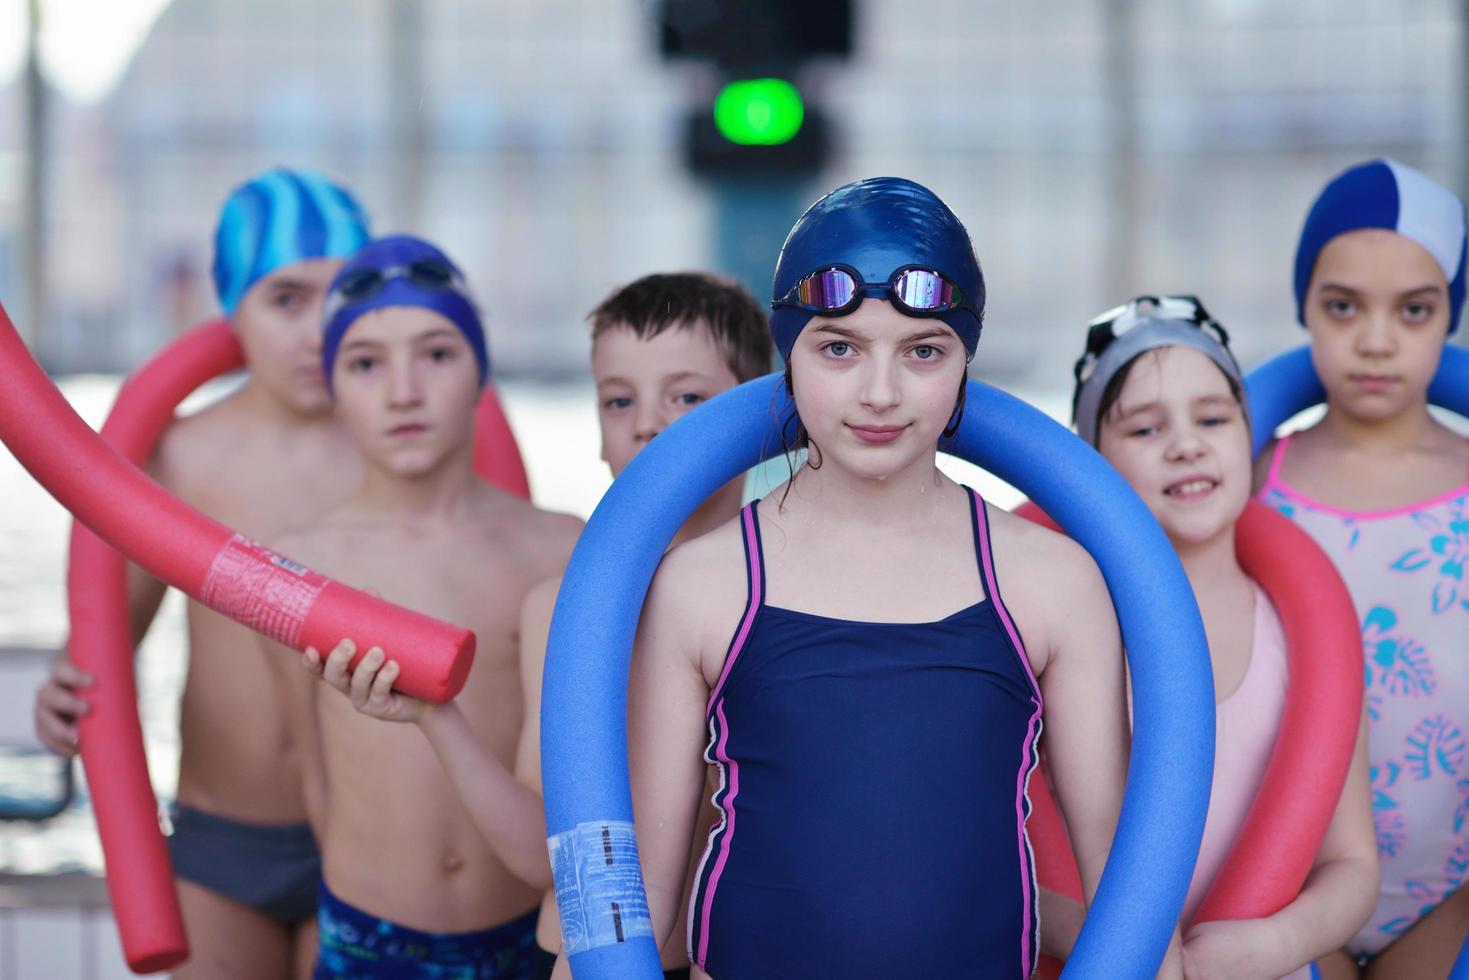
(1386, 194)
(280, 217)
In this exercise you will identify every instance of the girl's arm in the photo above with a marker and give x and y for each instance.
(666, 738)
(507, 812)
(1087, 740)
(1334, 903)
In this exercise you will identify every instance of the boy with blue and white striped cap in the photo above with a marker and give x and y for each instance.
(267, 457)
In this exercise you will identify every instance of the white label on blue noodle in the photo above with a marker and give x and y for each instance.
(599, 885)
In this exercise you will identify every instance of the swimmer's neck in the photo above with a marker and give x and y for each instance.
(913, 494)
(254, 398)
(449, 490)
(1212, 564)
(1404, 431)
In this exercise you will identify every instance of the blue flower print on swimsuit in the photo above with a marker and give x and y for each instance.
(1274, 498)
(1393, 661)
(1425, 893)
(1456, 867)
(1435, 744)
(1445, 554)
(1387, 816)
(1461, 814)
(1288, 507)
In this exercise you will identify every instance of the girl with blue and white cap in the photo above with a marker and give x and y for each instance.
(842, 656)
(1383, 487)
(1158, 393)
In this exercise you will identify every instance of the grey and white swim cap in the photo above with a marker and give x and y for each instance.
(1142, 324)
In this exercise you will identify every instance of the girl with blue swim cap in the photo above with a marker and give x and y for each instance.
(842, 655)
(1159, 394)
(1383, 487)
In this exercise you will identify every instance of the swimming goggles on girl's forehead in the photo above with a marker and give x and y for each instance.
(361, 285)
(838, 290)
(1116, 322)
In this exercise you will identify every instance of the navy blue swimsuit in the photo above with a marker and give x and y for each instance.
(872, 786)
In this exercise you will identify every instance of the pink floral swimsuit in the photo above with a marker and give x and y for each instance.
(1405, 569)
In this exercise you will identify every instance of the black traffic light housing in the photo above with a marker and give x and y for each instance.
(755, 39)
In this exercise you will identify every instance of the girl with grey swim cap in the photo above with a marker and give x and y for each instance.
(1159, 394)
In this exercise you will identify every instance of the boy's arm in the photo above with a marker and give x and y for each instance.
(535, 627)
(61, 699)
(1335, 901)
(145, 595)
(1087, 738)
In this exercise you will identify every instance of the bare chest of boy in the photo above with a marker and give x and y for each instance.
(384, 778)
(242, 481)
(471, 577)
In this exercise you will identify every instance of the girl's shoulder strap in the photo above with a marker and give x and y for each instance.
(755, 601)
(1277, 460)
(754, 556)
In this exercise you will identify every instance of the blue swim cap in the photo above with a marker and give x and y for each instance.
(400, 270)
(280, 217)
(1386, 194)
(878, 226)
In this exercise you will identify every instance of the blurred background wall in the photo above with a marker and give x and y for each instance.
(1095, 148)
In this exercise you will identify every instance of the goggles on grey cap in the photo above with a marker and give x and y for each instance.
(1144, 323)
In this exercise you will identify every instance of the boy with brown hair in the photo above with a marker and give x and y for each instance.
(660, 346)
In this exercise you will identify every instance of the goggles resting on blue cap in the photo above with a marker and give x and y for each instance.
(400, 270)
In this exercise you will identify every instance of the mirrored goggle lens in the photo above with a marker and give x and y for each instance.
(923, 289)
(830, 289)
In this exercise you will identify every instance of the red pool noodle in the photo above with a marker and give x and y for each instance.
(139, 872)
(496, 455)
(201, 557)
(140, 876)
(1277, 845)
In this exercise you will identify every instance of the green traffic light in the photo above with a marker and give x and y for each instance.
(759, 111)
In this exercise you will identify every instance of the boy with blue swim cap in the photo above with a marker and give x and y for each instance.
(404, 351)
(244, 856)
(278, 219)
(401, 270)
(661, 345)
